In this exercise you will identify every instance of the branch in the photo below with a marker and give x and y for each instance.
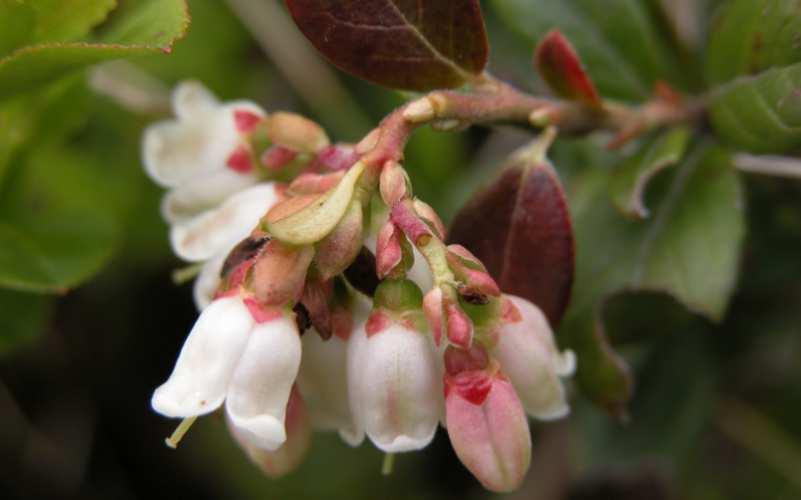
(493, 101)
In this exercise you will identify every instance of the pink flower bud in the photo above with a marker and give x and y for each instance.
(277, 157)
(337, 250)
(278, 275)
(393, 183)
(292, 453)
(389, 252)
(430, 217)
(487, 426)
(477, 282)
(459, 325)
(404, 216)
(296, 132)
(526, 350)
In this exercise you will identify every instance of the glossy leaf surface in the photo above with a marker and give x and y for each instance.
(413, 45)
(519, 226)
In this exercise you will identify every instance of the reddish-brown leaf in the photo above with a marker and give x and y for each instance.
(560, 67)
(520, 228)
(405, 44)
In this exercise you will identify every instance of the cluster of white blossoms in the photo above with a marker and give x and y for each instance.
(329, 302)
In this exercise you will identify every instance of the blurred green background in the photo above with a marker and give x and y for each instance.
(717, 407)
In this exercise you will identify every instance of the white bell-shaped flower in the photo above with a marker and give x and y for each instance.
(323, 382)
(395, 386)
(528, 355)
(200, 141)
(229, 356)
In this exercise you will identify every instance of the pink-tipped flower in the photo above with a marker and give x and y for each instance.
(528, 355)
(240, 354)
(189, 154)
(486, 422)
(289, 455)
(394, 382)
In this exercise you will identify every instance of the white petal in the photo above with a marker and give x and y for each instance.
(262, 382)
(397, 388)
(191, 99)
(203, 193)
(204, 368)
(528, 356)
(322, 380)
(219, 230)
(174, 152)
(208, 281)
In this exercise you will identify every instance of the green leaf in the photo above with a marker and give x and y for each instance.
(54, 233)
(420, 45)
(617, 40)
(32, 22)
(690, 250)
(29, 315)
(141, 27)
(630, 179)
(750, 36)
(760, 113)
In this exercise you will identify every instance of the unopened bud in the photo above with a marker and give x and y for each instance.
(404, 216)
(427, 213)
(389, 252)
(459, 325)
(296, 132)
(337, 250)
(467, 268)
(393, 183)
(278, 275)
(488, 428)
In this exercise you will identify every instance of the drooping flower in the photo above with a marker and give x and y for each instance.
(486, 422)
(394, 381)
(289, 455)
(195, 154)
(528, 355)
(241, 355)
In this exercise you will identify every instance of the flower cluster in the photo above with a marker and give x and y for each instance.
(329, 301)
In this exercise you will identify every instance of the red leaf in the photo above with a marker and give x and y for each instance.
(560, 67)
(520, 229)
(406, 44)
